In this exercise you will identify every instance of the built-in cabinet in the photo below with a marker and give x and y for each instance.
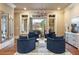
(23, 23)
(72, 38)
(52, 22)
(11, 27)
(6, 30)
(4, 27)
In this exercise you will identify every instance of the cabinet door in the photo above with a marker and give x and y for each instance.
(0, 27)
(4, 27)
(66, 37)
(23, 24)
(11, 28)
(77, 41)
(69, 38)
(52, 22)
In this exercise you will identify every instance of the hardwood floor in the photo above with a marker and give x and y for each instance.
(72, 49)
(12, 50)
(8, 51)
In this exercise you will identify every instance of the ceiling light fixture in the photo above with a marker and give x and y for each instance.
(24, 8)
(58, 8)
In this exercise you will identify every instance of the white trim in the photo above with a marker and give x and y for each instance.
(70, 6)
(11, 5)
(24, 13)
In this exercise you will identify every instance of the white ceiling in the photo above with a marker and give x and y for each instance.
(43, 6)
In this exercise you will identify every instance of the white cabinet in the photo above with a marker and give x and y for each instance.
(6, 30)
(23, 23)
(72, 38)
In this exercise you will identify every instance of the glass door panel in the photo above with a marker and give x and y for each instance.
(51, 23)
(11, 28)
(23, 24)
(4, 27)
(6, 30)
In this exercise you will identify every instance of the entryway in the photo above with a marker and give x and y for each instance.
(38, 24)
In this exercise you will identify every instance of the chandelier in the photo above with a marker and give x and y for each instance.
(42, 12)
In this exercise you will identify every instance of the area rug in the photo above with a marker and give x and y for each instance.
(42, 50)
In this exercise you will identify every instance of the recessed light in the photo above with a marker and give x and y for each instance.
(58, 8)
(24, 8)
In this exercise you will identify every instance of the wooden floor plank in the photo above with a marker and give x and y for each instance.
(72, 49)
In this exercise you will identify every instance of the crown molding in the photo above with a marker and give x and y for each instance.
(11, 5)
(70, 6)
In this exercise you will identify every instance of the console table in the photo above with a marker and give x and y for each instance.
(72, 38)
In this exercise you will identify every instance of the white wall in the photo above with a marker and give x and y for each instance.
(69, 13)
(59, 20)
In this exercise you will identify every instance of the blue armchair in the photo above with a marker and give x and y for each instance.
(56, 44)
(51, 34)
(33, 34)
(25, 45)
(22, 37)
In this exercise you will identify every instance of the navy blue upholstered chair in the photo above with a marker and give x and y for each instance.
(56, 45)
(25, 45)
(33, 34)
(36, 34)
(22, 37)
(52, 34)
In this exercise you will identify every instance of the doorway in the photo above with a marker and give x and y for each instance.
(38, 24)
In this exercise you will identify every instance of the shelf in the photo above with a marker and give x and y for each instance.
(51, 22)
